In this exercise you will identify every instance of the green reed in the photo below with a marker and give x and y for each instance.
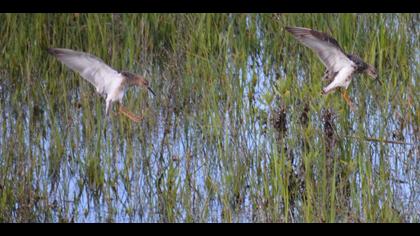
(238, 131)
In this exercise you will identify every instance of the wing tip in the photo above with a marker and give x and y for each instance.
(298, 30)
(289, 29)
(52, 51)
(60, 51)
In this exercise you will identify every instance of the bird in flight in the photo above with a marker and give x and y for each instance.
(340, 66)
(108, 82)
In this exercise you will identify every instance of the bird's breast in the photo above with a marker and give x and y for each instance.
(116, 89)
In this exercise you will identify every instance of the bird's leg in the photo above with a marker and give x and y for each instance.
(123, 110)
(347, 99)
(108, 106)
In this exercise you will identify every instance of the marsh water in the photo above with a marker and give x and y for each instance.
(238, 131)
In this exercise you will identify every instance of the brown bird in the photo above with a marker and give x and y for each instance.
(108, 82)
(340, 66)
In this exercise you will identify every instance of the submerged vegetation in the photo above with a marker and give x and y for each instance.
(238, 131)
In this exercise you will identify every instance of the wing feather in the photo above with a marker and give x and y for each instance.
(91, 68)
(326, 47)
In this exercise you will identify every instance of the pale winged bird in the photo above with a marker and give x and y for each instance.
(108, 82)
(340, 67)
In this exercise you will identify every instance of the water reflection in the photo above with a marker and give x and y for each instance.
(208, 156)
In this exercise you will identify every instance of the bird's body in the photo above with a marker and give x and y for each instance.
(340, 67)
(108, 82)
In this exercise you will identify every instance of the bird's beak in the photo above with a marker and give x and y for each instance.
(378, 79)
(151, 91)
(372, 73)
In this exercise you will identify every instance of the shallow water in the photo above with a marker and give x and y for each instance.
(237, 132)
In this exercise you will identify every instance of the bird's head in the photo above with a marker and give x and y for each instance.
(142, 82)
(371, 71)
(137, 80)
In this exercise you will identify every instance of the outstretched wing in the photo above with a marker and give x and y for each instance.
(90, 68)
(326, 47)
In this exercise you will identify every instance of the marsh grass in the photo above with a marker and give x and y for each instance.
(238, 131)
